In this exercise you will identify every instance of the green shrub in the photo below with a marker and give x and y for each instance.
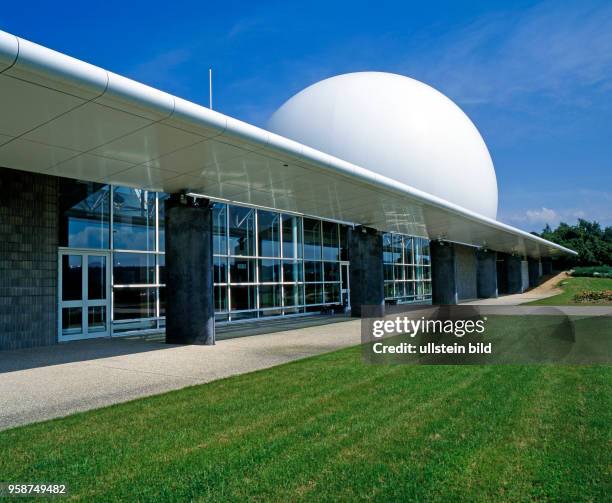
(602, 271)
(594, 296)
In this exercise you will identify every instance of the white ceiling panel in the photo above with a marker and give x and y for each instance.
(30, 156)
(147, 144)
(87, 127)
(89, 167)
(24, 106)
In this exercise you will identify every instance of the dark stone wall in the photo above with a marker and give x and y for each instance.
(28, 259)
(534, 272)
(465, 272)
(190, 309)
(366, 272)
(547, 266)
(513, 273)
(443, 273)
(486, 275)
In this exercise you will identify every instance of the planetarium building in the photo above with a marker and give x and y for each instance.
(126, 210)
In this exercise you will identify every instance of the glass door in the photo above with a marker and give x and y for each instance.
(84, 295)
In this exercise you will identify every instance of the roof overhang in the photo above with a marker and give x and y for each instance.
(64, 117)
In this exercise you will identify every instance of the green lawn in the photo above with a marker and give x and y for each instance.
(572, 286)
(333, 428)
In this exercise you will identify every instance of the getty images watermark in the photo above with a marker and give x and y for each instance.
(487, 335)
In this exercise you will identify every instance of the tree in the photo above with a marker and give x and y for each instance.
(592, 243)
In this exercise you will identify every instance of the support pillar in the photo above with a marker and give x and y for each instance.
(513, 273)
(366, 272)
(486, 274)
(190, 310)
(534, 272)
(443, 277)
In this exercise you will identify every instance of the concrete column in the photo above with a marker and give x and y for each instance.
(513, 273)
(443, 273)
(534, 272)
(486, 274)
(366, 272)
(190, 308)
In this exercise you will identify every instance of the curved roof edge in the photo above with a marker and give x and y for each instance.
(37, 64)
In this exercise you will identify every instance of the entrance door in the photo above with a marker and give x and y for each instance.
(84, 295)
(345, 287)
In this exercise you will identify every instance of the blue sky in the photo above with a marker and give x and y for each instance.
(535, 77)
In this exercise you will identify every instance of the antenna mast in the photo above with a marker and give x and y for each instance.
(210, 88)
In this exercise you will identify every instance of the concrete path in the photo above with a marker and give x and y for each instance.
(43, 383)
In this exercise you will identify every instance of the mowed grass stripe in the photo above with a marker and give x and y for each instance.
(332, 427)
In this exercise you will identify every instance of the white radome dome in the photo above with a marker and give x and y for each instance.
(397, 127)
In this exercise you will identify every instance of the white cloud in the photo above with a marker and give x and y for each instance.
(544, 216)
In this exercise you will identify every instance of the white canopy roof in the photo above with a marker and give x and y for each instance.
(64, 117)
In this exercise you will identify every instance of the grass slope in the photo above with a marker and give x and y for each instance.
(333, 428)
(572, 286)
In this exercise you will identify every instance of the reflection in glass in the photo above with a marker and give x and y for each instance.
(330, 241)
(220, 269)
(314, 293)
(269, 296)
(242, 270)
(72, 279)
(344, 247)
(292, 271)
(96, 277)
(408, 251)
(268, 230)
(241, 231)
(219, 215)
(292, 236)
(96, 319)
(293, 295)
(131, 303)
(269, 271)
(72, 320)
(220, 298)
(331, 271)
(312, 239)
(161, 216)
(162, 269)
(133, 219)
(332, 293)
(312, 271)
(84, 214)
(133, 268)
(243, 297)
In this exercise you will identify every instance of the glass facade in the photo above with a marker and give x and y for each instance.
(266, 263)
(269, 263)
(407, 269)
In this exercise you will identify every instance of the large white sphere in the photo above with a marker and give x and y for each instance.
(397, 127)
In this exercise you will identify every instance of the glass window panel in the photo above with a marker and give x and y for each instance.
(426, 272)
(220, 299)
(96, 319)
(161, 217)
(96, 277)
(314, 293)
(242, 297)
(269, 296)
(408, 252)
(330, 241)
(162, 268)
(313, 271)
(241, 230)
(294, 295)
(269, 271)
(292, 236)
(133, 219)
(220, 269)
(268, 233)
(242, 270)
(399, 272)
(331, 271)
(409, 270)
(133, 268)
(292, 271)
(419, 272)
(425, 252)
(344, 251)
(132, 303)
(399, 289)
(219, 215)
(427, 287)
(312, 239)
(332, 293)
(410, 289)
(396, 245)
(387, 248)
(84, 220)
(72, 277)
(72, 320)
(388, 270)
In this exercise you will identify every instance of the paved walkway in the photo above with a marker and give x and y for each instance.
(43, 383)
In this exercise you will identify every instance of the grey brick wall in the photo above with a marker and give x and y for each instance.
(28, 259)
